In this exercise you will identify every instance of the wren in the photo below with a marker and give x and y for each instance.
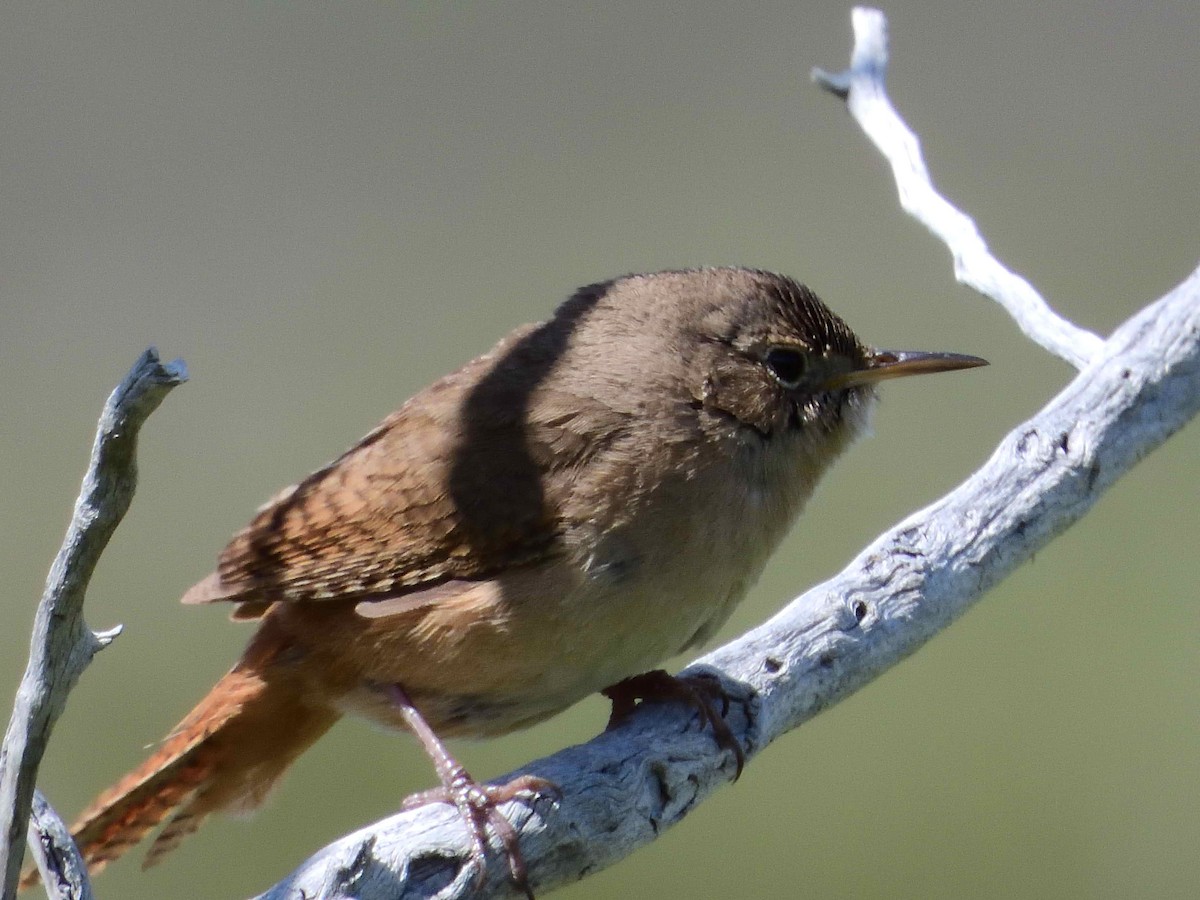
(556, 518)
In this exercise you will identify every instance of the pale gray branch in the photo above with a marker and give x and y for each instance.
(62, 644)
(862, 87)
(63, 871)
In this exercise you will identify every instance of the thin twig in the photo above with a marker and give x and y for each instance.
(862, 87)
(62, 644)
(63, 871)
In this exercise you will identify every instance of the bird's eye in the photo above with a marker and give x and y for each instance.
(787, 365)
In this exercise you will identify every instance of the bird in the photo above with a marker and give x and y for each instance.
(554, 519)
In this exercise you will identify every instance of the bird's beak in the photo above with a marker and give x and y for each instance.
(883, 364)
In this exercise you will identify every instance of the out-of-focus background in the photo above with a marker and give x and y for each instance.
(323, 207)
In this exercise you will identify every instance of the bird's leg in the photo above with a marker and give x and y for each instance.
(476, 803)
(703, 692)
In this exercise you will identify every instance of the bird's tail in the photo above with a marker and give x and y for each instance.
(225, 755)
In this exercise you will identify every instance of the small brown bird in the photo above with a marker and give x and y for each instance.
(592, 496)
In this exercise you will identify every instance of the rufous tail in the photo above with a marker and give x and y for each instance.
(225, 755)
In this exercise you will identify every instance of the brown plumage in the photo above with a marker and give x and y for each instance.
(590, 497)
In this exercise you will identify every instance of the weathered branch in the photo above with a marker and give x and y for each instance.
(60, 865)
(623, 788)
(62, 644)
(862, 87)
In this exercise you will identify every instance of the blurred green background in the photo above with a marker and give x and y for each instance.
(322, 207)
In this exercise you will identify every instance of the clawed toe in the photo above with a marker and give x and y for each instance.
(702, 691)
(477, 806)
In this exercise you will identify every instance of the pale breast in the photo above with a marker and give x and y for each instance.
(628, 591)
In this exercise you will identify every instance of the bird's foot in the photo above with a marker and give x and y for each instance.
(477, 804)
(701, 691)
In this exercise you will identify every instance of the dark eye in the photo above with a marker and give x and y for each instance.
(787, 365)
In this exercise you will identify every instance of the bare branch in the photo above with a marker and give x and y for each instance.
(862, 87)
(59, 863)
(62, 644)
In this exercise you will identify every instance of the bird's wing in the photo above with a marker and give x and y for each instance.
(460, 483)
